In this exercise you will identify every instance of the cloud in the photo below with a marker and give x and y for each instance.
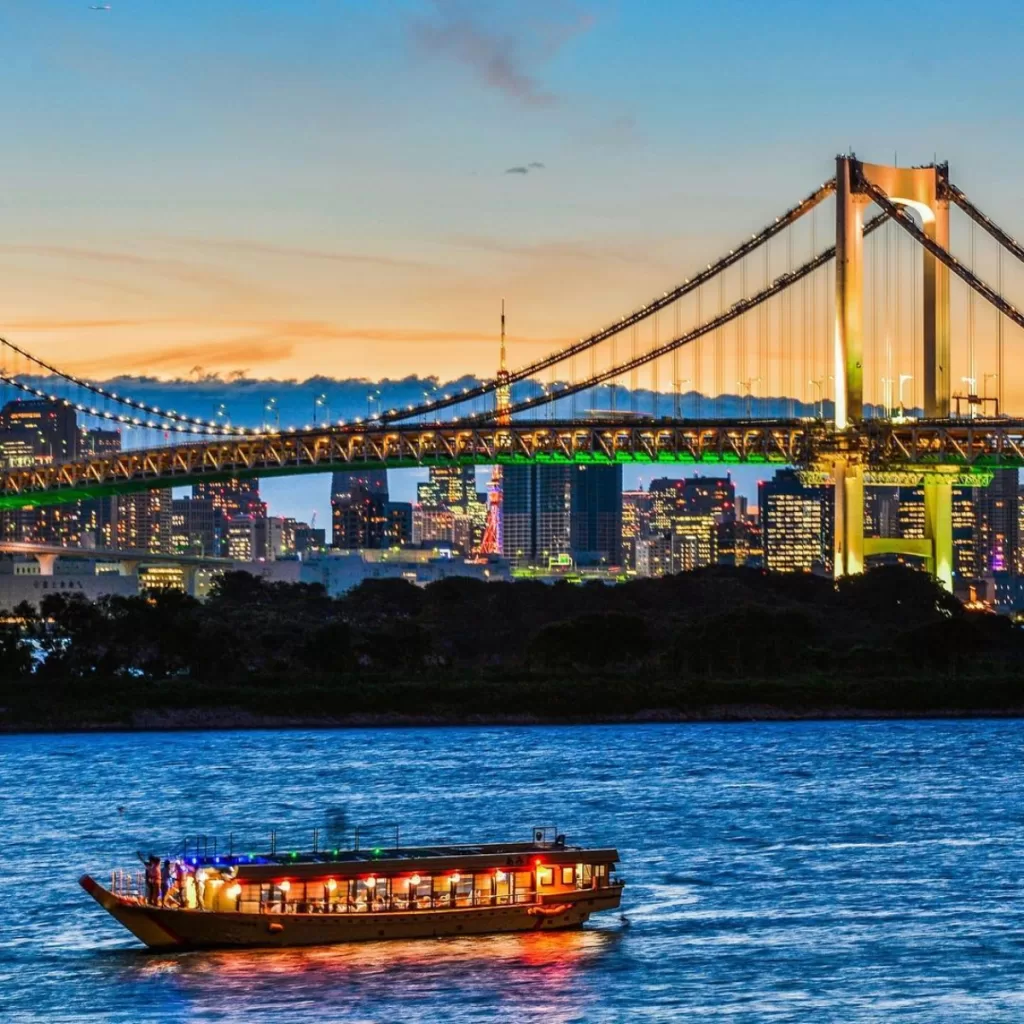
(270, 249)
(533, 165)
(503, 59)
(202, 277)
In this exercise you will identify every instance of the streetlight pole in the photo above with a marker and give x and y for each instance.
(887, 383)
(904, 377)
(972, 383)
(678, 396)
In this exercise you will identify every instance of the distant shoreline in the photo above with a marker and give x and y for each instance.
(235, 720)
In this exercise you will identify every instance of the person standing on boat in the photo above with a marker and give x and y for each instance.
(179, 881)
(152, 879)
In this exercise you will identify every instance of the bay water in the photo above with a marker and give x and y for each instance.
(813, 871)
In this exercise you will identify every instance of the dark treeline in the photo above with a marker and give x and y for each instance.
(890, 639)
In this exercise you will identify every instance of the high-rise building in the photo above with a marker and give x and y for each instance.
(359, 501)
(882, 511)
(144, 521)
(233, 497)
(399, 523)
(309, 539)
(636, 514)
(689, 511)
(39, 431)
(98, 516)
(269, 539)
(50, 430)
(452, 487)
(449, 509)
(196, 526)
(240, 538)
(796, 524)
(99, 442)
(536, 504)
(595, 515)
(997, 510)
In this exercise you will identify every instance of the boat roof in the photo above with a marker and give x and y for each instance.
(398, 859)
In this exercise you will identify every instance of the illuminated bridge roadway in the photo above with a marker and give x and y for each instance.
(960, 451)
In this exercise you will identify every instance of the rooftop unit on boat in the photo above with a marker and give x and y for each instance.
(202, 899)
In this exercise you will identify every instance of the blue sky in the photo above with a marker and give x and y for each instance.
(320, 187)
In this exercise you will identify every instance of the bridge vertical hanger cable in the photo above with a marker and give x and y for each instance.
(972, 372)
(677, 384)
(654, 363)
(788, 339)
(916, 350)
(693, 336)
(697, 360)
(719, 348)
(633, 379)
(999, 331)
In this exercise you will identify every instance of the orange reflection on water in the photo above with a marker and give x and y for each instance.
(540, 949)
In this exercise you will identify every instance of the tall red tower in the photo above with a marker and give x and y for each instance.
(491, 544)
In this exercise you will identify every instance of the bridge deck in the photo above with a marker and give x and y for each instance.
(880, 445)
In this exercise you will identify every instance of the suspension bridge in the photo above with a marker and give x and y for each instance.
(826, 340)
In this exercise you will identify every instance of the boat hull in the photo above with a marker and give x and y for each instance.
(170, 928)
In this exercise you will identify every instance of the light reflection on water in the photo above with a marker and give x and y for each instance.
(812, 871)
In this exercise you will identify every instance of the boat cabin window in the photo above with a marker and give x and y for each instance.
(545, 876)
(568, 875)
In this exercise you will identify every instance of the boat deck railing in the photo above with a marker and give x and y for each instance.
(329, 847)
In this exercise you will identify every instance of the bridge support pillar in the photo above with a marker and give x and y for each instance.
(848, 519)
(938, 526)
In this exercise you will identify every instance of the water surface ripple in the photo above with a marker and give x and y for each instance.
(776, 872)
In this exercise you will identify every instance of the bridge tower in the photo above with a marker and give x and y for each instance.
(922, 190)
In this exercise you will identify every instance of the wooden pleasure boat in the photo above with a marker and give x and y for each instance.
(206, 902)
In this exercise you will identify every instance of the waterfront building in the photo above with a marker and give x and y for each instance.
(796, 524)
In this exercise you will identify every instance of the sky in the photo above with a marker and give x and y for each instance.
(283, 190)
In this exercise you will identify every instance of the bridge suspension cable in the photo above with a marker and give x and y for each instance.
(944, 256)
(169, 416)
(989, 225)
(775, 287)
(691, 284)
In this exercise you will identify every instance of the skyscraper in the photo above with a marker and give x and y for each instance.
(689, 511)
(536, 502)
(359, 515)
(796, 524)
(595, 515)
(996, 515)
(144, 521)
